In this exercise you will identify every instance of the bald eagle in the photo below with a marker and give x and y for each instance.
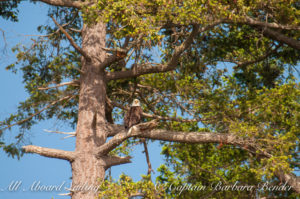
(133, 115)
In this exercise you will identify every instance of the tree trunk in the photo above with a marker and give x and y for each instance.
(88, 170)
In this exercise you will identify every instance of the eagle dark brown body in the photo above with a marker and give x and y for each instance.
(133, 116)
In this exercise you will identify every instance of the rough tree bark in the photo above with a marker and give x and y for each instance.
(91, 133)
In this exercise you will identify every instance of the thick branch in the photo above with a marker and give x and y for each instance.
(253, 22)
(73, 43)
(112, 143)
(275, 35)
(118, 54)
(209, 137)
(52, 153)
(171, 65)
(291, 180)
(114, 129)
(122, 136)
(110, 60)
(115, 160)
(189, 137)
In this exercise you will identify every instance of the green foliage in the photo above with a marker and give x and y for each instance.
(126, 188)
(8, 10)
(268, 116)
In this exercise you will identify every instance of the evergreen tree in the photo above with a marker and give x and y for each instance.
(99, 55)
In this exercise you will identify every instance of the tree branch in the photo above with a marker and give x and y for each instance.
(210, 137)
(73, 43)
(122, 136)
(52, 153)
(253, 22)
(112, 143)
(171, 65)
(70, 134)
(190, 137)
(261, 58)
(277, 36)
(291, 180)
(114, 129)
(116, 160)
(74, 82)
(147, 156)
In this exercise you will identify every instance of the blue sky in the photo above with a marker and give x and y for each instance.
(32, 168)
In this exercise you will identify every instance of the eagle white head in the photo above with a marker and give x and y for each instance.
(136, 102)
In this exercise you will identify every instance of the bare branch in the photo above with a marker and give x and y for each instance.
(75, 30)
(116, 160)
(73, 43)
(52, 153)
(65, 194)
(147, 156)
(190, 137)
(4, 38)
(74, 83)
(60, 132)
(70, 134)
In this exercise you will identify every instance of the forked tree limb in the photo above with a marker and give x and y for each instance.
(112, 144)
(116, 160)
(122, 136)
(52, 153)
